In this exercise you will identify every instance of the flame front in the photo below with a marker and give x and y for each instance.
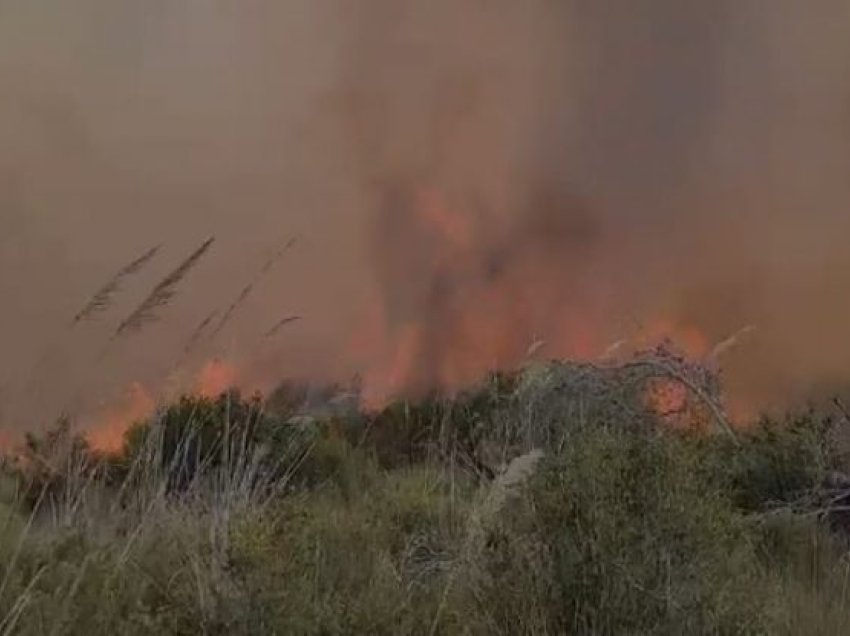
(215, 377)
(457, 297)
(107, 434)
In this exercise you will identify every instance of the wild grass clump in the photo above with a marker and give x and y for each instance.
(547, 501)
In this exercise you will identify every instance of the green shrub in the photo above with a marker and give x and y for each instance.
(618, 534)
(431, 516)
(779, 462)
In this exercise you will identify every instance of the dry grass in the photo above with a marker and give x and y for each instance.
(249, 288)
(162, 293)
(221, 517)
(102, 299)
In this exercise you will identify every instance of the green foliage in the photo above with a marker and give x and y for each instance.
(51, 465)
(369, 563)
(439, 427)
(235, 516)
(641, 544)
(199, 436)
(780, 462)
(197, 430)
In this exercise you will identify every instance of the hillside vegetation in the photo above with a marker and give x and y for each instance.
(552, 500)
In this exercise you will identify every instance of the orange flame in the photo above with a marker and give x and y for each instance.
(108, 434)
(138, 404)
(215, 377)
(473, 307)
(456, 230)
(485, 320)
(667, 398)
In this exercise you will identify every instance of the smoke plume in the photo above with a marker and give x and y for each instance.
(467, 179)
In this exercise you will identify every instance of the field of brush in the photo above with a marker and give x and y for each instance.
(554, 499)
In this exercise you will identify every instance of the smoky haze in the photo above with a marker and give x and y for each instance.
(465, 176)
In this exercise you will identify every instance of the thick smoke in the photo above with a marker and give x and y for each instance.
(464, 177)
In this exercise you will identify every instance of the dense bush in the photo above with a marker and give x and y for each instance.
(524, 505)
(640, 543)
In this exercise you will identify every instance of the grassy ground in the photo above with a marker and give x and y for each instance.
(502, 511)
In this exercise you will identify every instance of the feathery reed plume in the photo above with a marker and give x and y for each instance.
(162, 294)
(246, 291)
(517, 473)
(280, 325)
(613, 348)
(535, 347)
(731, 342)
(103, 297)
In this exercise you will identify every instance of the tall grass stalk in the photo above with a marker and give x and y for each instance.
(162, 293)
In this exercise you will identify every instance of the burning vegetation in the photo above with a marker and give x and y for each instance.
(454, 512)
(444, 317)
(501, 463)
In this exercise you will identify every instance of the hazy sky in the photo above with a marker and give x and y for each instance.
(611, 161)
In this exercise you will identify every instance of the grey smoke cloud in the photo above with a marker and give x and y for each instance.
(696, 153)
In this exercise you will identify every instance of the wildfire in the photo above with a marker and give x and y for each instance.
(455, 229)
(687, 338)
(108, 433)
(138, 403)
(215, 377)
(456, 299)
(667, 398)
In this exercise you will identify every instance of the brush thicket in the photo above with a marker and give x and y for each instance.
(543, 502)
